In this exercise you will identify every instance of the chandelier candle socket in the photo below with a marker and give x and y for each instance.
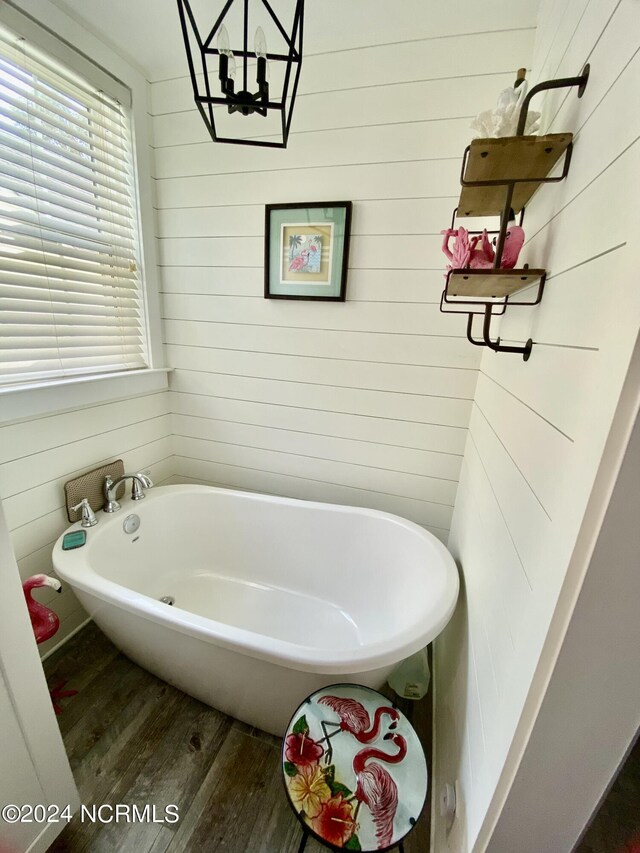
(222, 88)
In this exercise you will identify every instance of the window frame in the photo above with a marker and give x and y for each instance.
(57, 34)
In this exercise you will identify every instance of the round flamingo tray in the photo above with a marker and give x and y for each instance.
(354, 769)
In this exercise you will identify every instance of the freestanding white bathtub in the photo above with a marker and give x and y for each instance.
(273, 598)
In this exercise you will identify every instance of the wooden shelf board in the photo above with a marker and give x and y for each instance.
(506, 159)
(491, 284)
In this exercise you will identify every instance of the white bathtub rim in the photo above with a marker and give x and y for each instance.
(291, 655)
(159, 492)
(299, 658)
(371, 656)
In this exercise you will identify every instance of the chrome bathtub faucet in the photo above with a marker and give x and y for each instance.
(140, 481)
(88, 517)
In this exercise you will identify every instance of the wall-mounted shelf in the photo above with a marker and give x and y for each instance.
(490, 164)
(498, 178)
(491, 284)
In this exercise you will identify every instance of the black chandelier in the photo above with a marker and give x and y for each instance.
(221, 89)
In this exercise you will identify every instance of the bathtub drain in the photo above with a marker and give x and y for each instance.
(167, 599)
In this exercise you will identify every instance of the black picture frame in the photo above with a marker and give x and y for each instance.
(324, 227)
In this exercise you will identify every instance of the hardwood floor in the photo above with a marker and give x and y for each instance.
(616, 825)
(133, 739)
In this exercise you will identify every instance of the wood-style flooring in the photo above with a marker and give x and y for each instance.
(616, 825)
(133, 739)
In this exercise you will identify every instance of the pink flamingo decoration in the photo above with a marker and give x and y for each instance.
(514, 241)
(355, 718)
(467, 255)
(376, 789)
(45, 623)
(465, 252)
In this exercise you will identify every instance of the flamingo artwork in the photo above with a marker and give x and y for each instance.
(300, 261)
(356, 801)
(354, 718)
(376, 789)
(45, 623)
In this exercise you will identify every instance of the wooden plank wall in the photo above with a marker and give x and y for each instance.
(39, 455)
(368, 402)
(537, 429)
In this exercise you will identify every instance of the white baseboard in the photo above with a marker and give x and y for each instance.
(65, 639)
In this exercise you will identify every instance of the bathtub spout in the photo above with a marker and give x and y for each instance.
(140, 481)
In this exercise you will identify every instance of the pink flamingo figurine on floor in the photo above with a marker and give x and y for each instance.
(45, 623)
(355, 718)
(376, 789)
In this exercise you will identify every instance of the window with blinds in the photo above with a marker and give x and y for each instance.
(70, 292)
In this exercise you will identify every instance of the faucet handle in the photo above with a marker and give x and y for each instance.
(88, 516)
(140, 481)
(110, 502)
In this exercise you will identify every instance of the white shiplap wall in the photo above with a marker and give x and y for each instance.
(366, 402)
(37, 456)
(537, 430)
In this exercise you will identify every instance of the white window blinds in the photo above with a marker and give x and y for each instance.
(70, 294)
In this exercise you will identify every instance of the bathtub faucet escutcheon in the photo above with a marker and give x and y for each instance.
(139, 482)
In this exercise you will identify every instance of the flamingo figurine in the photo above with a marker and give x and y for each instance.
(354, 718)
(45, 623)
(376, 789)
(513, 242)
(466, 253)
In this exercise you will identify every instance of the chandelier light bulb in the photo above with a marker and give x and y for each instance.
(224, 46)
(260, 49)
(260, 43)
(227, 62)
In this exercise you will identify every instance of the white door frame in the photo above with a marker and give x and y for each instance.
(21, 670)
(583, 709)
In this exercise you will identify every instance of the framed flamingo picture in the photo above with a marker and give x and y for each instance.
(306, 250)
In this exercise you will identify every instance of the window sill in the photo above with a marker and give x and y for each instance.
(19, 402)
